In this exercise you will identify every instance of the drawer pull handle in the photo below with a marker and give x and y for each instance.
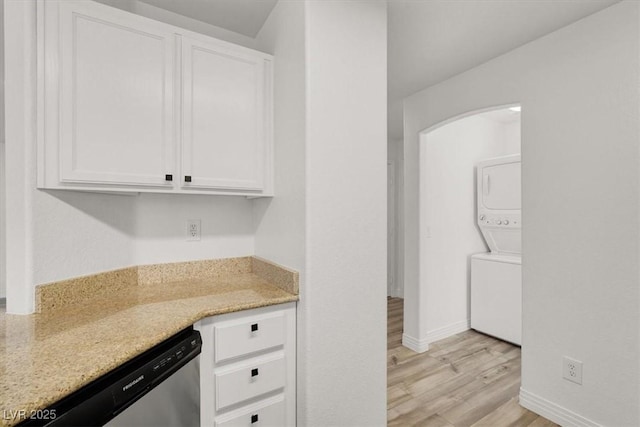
(187, 178)
(254, 418)
(254, 372)
(254, 327)
(168, 177)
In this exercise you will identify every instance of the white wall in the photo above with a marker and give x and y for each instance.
(3, 277)
(448, 210)
(19, 152)
(395, 194)
(511, 135)
(328, 218)
(280, 222)
(342, 315)
(3, 206)
(580, 125)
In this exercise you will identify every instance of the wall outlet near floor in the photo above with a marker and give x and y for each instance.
(193, 230)
(572, 370)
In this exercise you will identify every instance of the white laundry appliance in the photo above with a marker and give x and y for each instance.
(496, 276)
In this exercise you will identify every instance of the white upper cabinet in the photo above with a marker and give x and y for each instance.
(224, 104)
(127, 103)
(116, 97)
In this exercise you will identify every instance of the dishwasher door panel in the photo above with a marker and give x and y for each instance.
(174, 402)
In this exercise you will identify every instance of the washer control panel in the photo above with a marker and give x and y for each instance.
(496, 220)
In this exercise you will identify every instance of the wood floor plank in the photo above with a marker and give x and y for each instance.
(436, 421)
(411, 370)
(401, 355)
(473, 361)
(509, 414)
(396, 395)
(409, 412)
(493, 372)
(542, 422)
(468, 379)
(464, 348)
(478, 405)
(427, 380)
(459, 386)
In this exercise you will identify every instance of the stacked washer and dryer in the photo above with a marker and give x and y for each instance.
(496, 276)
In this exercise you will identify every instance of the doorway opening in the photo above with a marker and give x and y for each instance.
(449, 222)
(448, 355)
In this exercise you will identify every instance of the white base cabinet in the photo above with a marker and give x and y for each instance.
(130, 104)
(248, 368)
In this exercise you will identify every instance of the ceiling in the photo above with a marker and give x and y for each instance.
(428, 40)
(241, 16)
(432, 40)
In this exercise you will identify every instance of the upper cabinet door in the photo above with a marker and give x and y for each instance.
(116, 91)
(225, 102)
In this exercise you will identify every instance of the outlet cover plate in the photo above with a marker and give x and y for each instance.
(193, 230)
(572, 370)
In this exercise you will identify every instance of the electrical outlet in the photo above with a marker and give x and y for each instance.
(193, 230)
(572, 370)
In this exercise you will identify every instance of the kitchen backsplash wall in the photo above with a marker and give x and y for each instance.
(160, 230)
(75, 234)
(84, 233)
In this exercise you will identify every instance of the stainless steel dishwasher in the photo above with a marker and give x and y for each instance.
(161, 387)
(175, 402)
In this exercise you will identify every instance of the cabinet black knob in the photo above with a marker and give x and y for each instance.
(187, 178)
(254, 372)
(254, 418)
(168, 177)
(254, 327)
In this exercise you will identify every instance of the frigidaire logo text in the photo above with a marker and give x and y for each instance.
(132, 383)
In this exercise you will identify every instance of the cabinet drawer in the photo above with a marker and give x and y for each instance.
(233, 339)
(249, 381)
(267, 414)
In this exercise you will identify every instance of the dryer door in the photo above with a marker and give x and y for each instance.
(501, 186)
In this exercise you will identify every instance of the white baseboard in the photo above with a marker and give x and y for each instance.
(447, 331)
(553, 412)
(395, 293)
(419, 346)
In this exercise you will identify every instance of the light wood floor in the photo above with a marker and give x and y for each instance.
(469, 379)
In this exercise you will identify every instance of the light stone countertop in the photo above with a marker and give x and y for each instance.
(46, 356)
